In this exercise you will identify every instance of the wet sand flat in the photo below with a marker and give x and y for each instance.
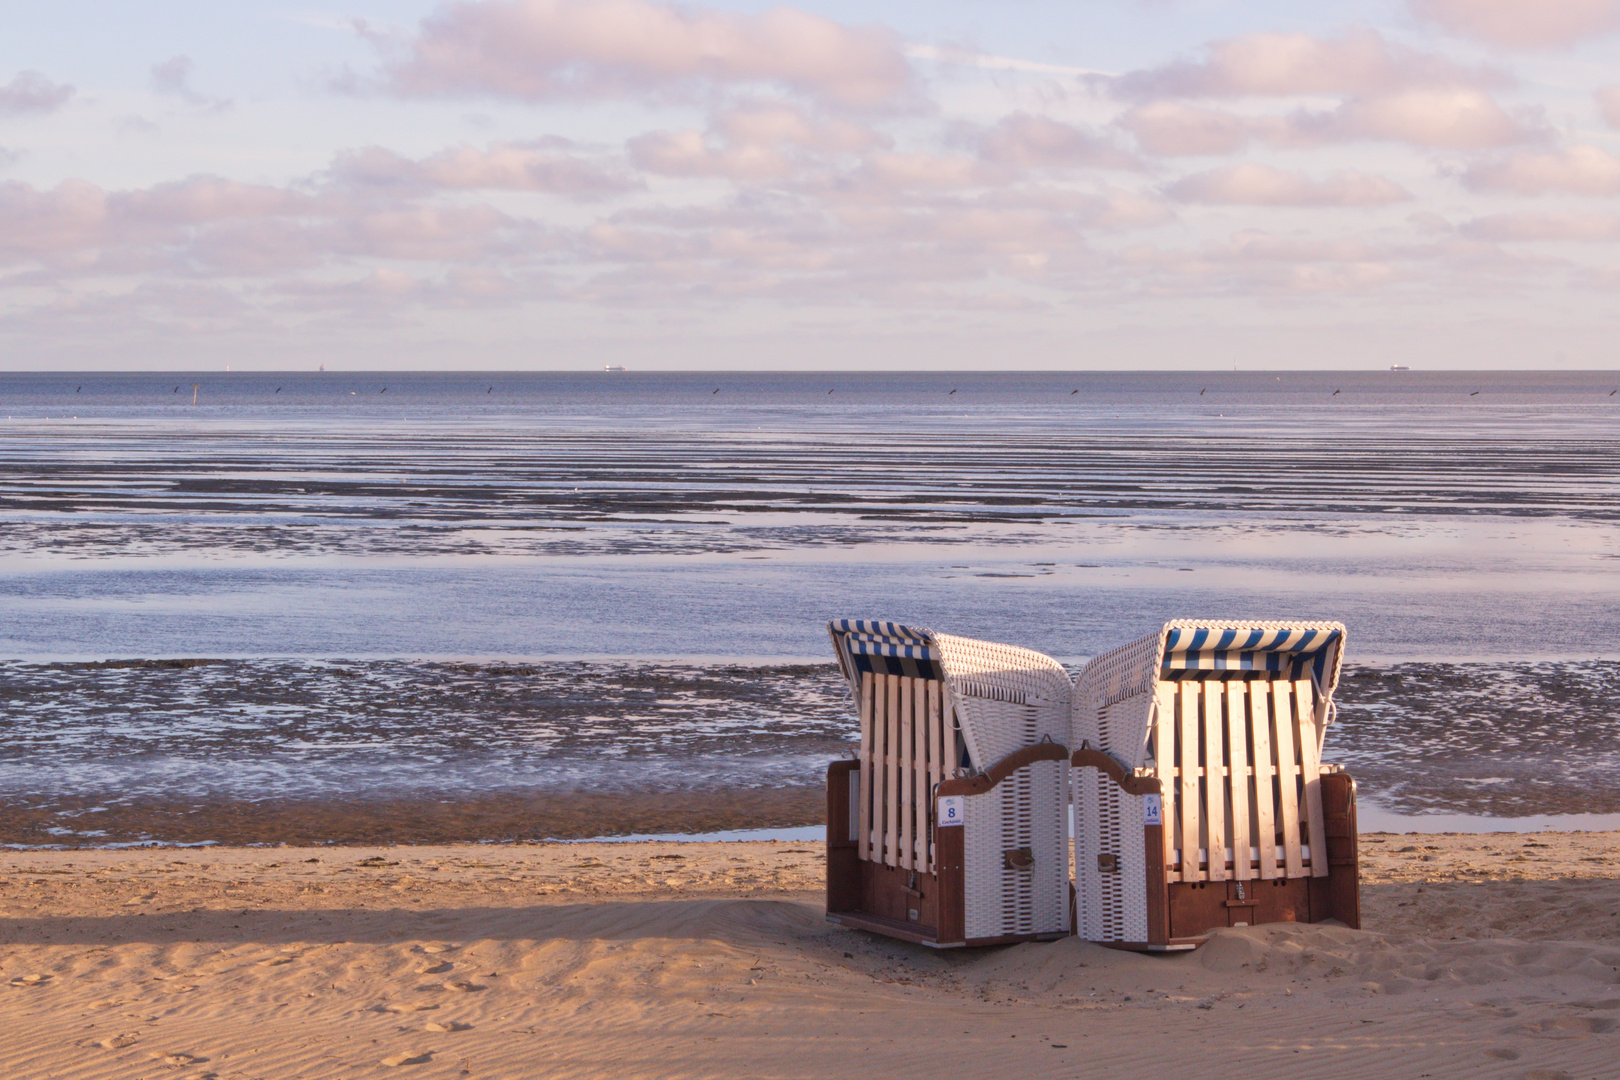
(1493, 956)
(413, 751)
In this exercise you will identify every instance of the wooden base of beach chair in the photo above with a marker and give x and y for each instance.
(924, 907)
(1181, 914)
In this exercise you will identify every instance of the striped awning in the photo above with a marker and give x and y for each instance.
(889, 647)
(1287, 649)
(869, 637)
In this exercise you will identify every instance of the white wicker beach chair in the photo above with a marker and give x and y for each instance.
(1200, 799)
(949, 828)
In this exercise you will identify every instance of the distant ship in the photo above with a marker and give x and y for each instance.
(613, 367)
(1399, 367)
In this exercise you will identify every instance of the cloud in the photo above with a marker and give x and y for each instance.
(133, 124)
(32, 93)
(1608, 102)
(8, 157)
(1361, 62)
(1261, 185)
(243, 229)
(1531, 227)
(917, 170)
(205, 199)
(969, 58)
(1254, 262)
(48, 223)
(690, 153)
(1580, 170)
(538, 50)
(552, 166)
(170, 76)
(173, 77)
(1175, 129)
(1022, 140)
(1432, 117)
(768, 122)
(1523, 24)
(1455, 118)
(760, 140)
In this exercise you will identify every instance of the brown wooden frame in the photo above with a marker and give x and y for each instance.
(868, 895)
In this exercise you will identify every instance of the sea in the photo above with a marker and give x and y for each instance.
(318, 585)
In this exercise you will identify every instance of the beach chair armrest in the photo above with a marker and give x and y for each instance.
(1087, 758)
(995, 774)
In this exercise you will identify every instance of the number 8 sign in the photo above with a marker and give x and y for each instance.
(952, 810)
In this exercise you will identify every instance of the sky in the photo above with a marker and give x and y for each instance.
(563, 184)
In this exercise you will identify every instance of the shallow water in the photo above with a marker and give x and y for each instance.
(85, 740)
(661, 534)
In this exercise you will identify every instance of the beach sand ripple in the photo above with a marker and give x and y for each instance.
(593, 960)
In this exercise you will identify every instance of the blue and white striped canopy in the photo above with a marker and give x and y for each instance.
(875, 645)
(1281, 649)
(866, 637)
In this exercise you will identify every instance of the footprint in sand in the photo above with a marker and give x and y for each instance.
(448, 1025)
(116, 1042)
(30, 980)
(405, 1007)
(464, 986)
(178, 1059)
(435, 969)
(1502, 1053)
(277, 961)
(421, 1058)
(439, 948)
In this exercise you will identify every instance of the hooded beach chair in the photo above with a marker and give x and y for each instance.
(950, 827)
(1200, 799)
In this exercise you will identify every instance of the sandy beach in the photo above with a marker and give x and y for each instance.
(1483, 956)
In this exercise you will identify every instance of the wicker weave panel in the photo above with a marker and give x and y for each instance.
(983, 845)
(1113, 903)
(1025, 810)
(1120, 673)
(1006, 697)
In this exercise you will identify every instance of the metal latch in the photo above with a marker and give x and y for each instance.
(1018, 859)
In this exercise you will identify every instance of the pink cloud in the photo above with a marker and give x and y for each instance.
(1026, 141)
(1581, 170)
(1256, 263)
(204, 199)
(689, 153)
(760, 140)
(1531, 227)
(31, 92)
(916, 170)
(1523, 24)
(767, 122)
(1608, 102)
(552, 166)
(1439, 117)
(1293, 64)
(1174, 129)
(1261, 185)
(50, 223)
(1456, 118)
(536, 50)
